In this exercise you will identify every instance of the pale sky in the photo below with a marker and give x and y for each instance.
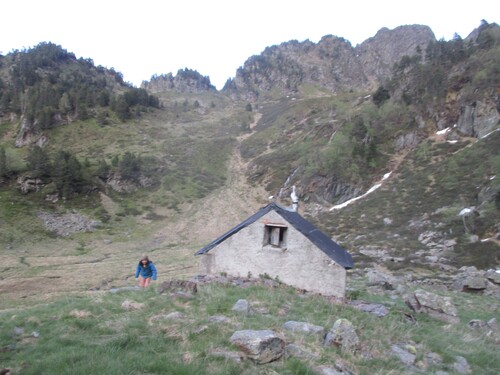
(215, 37)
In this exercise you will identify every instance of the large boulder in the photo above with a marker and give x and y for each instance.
(470, 279)
(242, 306)
(493, 276)
(343, 334)
(262, 346)
(437, 306)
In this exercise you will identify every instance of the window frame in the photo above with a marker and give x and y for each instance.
(275, 235)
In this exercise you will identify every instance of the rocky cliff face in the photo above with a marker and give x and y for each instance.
(186, 80)
(378, 54)
(333, 63)
(330, 64)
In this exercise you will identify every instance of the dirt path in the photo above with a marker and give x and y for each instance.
(224, 208)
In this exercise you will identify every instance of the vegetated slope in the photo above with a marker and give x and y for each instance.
(417, 218)
(425, 123)
(134, 156)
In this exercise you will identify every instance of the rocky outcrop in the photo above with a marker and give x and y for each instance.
(186, 81)
(24, 137)
(379, 53)
(333, 63)
(28, 184)
(479, 118)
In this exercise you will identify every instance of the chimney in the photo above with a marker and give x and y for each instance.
(295, 200)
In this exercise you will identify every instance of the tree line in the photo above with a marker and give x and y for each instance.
(49, 85)
(70, 176)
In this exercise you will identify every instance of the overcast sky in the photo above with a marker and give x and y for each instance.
(215, 37)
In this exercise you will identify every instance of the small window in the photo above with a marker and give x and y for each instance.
(275, 235)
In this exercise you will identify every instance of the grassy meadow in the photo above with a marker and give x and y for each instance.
(91, 333)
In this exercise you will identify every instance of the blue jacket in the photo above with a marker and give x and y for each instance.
(147, 271)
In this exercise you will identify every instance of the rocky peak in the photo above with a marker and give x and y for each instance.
(333, 63)
(378, 54)
(186, 80)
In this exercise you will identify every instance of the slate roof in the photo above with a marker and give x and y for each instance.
(321, 240)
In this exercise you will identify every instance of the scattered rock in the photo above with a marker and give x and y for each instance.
(261, 346)
(222, 353)
(378, 278)
(434, 305)
(242, 307)
(200, 329)
(303, 327)
(461, 365)
(80, 314)
(343, 335)
(489, 328)
(126, 289)
(493, 276)
(178, 286)
(66, 224)
(175, 315)
(188, 357)
(470, 279)
(325, 370)
(219, 319)
(131, 305)
(477, 324)
(404, 355)
(294, 350)
(338, 369)
(373, 308)
(18, 331)
(432, 359)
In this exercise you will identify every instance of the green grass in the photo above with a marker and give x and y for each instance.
(108, 339)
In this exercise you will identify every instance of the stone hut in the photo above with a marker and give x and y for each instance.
(278, 242)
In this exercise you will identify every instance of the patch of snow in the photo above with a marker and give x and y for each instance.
(444, 131)
(490, 133)
(465, 211)
(452, 142)
(371, 190)
(492, 178)
(346, 203)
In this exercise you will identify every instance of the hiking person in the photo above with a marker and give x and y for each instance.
(146, 271)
